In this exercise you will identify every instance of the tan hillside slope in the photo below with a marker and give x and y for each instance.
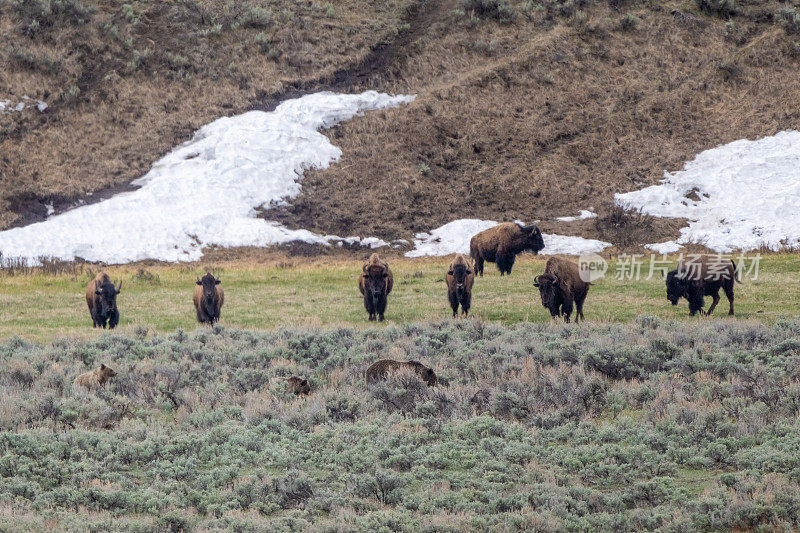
(125, 82)
(526, 109)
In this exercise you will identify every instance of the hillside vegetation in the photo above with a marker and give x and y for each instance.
(651, 425)
(526, 109)
(323, 292)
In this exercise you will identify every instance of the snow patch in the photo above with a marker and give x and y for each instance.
(206, 191)
(6, 107)
(454, 237)
(667, 247)
(585, 213)
(739, 196)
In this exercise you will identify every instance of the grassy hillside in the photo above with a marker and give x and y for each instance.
(526, 109)
(658, 424)
(323, 292)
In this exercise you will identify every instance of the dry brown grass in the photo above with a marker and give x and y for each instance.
(145, 87)
(533, 119)
(557, 116)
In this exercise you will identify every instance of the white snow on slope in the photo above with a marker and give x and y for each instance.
(585, 213)
(206, 191)
(6, 107)
(666, 247)
(454, 237)
(749, 195)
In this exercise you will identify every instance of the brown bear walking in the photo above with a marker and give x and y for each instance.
(380, 370)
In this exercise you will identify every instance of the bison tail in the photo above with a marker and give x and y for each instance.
(737, 274)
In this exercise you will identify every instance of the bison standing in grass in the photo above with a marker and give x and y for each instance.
(502, 243)
(560, 286)
(208, 299)
(101, 297)
(375, 282)
(701, 276)
(460, 278)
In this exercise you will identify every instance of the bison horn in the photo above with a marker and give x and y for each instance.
(119, 287)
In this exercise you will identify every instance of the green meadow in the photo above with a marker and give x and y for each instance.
(323, 292)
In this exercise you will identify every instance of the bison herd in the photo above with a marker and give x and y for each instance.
(561, 286)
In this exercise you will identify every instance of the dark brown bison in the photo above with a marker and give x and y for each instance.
(460, 278)
(699, 276)
(298, 386)
(502, 243)
(375, 282)
(380, 370)
(208, 299)
(101, 297)
(560, 286)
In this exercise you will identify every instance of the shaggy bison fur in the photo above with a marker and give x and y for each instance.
(502, 243)
(380, 370)
(699, 276)
(208, 299)
(460, 278)
(375, 283)
(101, 297)
(560, 286)
(94, 379)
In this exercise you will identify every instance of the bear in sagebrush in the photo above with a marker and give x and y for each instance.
(95, 379)
(380, 370)
(298, 386)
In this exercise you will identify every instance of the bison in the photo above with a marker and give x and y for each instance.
(208, 299)
(375, 283)
(460, 278)
(380, 370)
(560, 286)
(502, 243)
(101, 297)
(702, 276)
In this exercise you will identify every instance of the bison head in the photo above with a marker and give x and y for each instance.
(460, 272)
(549, 290)
(677, 286)
(209, 284)
(375, 280)
(532, 239)
(107, 297)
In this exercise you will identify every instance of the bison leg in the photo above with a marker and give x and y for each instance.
(466, 301)
(453, 297)
(382, 301)
(479, 265)
(510, 263)
(715, 296)
(728, 288)
(566, 309)
(579, 310)
(113, 320)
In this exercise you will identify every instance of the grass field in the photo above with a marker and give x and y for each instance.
(323, 292)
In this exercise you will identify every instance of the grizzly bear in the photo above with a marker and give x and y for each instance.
(380, 370)
(298, 386)
(95, 379)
